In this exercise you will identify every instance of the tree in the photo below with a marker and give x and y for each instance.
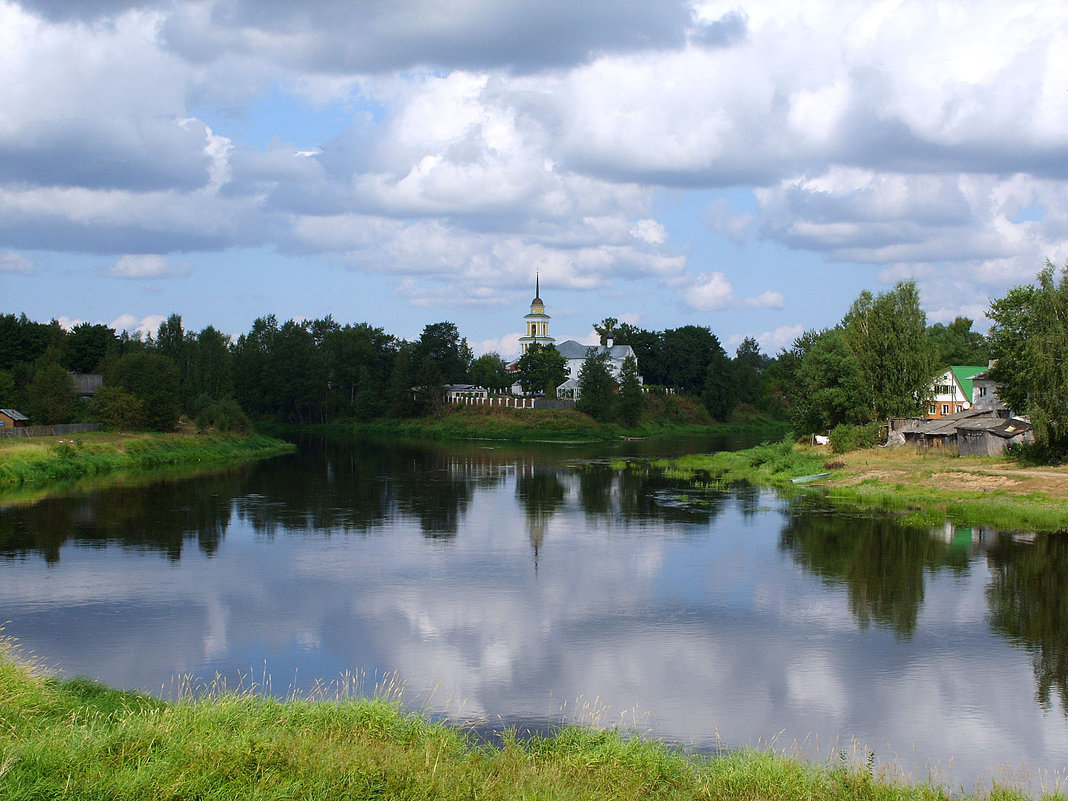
(606, 329)
(887, 336)
(684, 356)
(646, 346)
(152, 378)
(597, 388)
(827, 385)
(747, 368)
(50, 395)
(720, 392)
(956, 343)
(441, 344)
(1014, 327)
(118, 410)
(490, 371)
(8, 392)
(212, 371)
(87, 346)
(631, 398)
(1030, 340)
(542, 369)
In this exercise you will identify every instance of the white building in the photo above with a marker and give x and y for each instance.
(576, 353)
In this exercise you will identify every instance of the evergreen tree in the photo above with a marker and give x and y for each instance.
(631, 398)
(597, 388)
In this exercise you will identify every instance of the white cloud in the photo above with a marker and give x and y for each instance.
(710, 291)
(148, 266)
(15, 263)
(145, 326)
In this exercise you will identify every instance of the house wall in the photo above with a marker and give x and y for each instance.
(947, 397)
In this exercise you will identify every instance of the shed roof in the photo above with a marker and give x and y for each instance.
(14, 415)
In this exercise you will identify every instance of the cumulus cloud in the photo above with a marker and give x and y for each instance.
(145, 326)
(497, 139)
(148, 266)
(15, 263)
(713, 291)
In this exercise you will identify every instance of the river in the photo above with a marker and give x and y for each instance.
(504, 586)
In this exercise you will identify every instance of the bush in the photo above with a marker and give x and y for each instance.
(845, 437)
(225, 416)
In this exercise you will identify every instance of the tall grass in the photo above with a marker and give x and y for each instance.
(770, 464)
(77, 739)
(49, 460)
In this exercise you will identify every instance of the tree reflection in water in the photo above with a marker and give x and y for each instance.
(880, 562)
(1028, 598)
(161, 516)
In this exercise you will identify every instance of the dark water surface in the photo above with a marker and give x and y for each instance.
(530, 586)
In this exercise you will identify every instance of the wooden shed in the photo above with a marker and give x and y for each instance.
(10, 418)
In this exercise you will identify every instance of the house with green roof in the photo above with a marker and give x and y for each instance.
(951, 392)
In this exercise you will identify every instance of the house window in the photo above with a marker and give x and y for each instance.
(931, 408)
(982, 392)
(960, 407)
(945, 408)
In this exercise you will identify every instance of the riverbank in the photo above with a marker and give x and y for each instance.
(926, 487)
(27, 463)
(79, 739)
(554, 425)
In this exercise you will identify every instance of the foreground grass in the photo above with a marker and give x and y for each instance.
(49, 460)
(927, 488)
(78, 739)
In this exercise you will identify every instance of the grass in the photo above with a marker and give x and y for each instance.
(78, 739)
(926, 487)
(554, 425)
(44, 461)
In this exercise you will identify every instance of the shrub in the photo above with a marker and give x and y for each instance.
(845, 437)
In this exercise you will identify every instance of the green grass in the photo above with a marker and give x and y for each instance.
(54, 460)
(77, 739)
(545, 425)
(770, 464)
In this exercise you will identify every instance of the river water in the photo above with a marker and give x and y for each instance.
(531, 586)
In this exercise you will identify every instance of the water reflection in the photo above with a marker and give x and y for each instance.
(163, 517)
(1028, 596)
(504, 583)
(881, 564)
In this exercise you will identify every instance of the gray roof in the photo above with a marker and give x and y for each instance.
(570, 349)
(14, 415)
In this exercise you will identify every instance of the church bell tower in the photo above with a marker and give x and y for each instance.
(537, 322)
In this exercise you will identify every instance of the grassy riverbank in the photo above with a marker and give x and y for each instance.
(78, 739)
(556, 425)
(48, 460)
(927, 487)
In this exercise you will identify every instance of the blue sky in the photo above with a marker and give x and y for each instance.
(747, 166)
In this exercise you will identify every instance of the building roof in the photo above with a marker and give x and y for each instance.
(14, 415)
(570, 349)
(964, 375)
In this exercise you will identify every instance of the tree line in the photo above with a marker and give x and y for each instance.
(877, 362)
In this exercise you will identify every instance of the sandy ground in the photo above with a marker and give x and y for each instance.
(936, 470)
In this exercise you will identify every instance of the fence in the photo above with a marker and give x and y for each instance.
(510, 401)
(48, 431)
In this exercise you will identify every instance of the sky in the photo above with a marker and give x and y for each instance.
(746, 166)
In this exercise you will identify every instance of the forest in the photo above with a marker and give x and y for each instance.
(877, 361)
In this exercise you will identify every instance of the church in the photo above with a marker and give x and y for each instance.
(536, 327)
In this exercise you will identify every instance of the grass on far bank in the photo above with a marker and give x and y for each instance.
(927, 487)
(664, 415)
(79, 739)
(39, 461)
